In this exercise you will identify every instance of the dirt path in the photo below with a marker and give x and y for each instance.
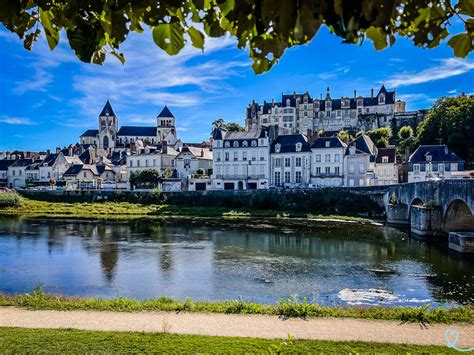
(257, 326)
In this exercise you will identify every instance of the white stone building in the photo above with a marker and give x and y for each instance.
(16, 175)
(327, 162)
(240, 159)
(385, 167)
(359, 162)
(290, 161)
(159, 157)
(190, 159)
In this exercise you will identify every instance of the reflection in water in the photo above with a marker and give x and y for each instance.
(333, 263)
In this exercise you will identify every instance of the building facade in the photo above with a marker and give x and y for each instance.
(327, 162)
(359, 162)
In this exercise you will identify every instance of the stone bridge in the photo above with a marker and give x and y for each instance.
(431, 207)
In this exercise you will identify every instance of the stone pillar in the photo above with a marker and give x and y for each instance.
(462, 242)
(426, 221)
(397, 214)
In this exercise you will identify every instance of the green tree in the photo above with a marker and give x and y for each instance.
(95, 28)
(407, 141)
(405, 132)
(148, 178)
(345, 136)
(450, 121)
(380, 136)
(229, 126)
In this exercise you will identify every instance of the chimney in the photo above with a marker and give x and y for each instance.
(70, 151)
(202, 152)
(48, 152)
(273, 102)
(355, 94)
(58, 149)
(321, 96)
(372, 92)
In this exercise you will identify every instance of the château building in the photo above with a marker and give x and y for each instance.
(304, 114)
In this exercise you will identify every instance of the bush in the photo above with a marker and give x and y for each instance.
(10, 199)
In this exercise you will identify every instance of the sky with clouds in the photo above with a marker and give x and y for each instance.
(48, 99)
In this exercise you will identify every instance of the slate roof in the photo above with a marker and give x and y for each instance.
(288, 143)
(50, 159)
(102, 167)
(439, 153)
(200, 153)
(21, 162)
(334, 142)
(364, 145)
(107, 110)
(165, 112)
(74, 169)
(5, 163)
(391, 153)
(90, 133)
(137, 131)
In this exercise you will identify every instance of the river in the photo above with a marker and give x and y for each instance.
(332, 263)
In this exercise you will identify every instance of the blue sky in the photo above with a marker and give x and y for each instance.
(48, 99)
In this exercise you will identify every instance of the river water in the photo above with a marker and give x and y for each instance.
(332, 263)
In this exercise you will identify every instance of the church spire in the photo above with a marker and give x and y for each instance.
(107, 110)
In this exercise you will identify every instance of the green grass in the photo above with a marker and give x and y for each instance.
(130, 211)
(293, 307)
(55, 341)
(10, 199)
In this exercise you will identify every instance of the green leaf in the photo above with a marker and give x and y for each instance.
(378, 37)
(197, 38)
(119, 56)
(466, 7)
(461, 43)
(169, 37)
(52, 34)
(83, 40)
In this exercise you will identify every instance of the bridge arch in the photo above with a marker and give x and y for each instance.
(458, 217)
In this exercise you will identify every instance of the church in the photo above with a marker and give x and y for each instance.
(110, 138)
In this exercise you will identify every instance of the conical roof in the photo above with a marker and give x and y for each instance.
(107, 110)
(165, 112)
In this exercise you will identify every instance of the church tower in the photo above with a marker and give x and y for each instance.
(108, 127)
(166, 127)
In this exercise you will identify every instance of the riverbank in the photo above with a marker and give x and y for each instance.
(55, 341)
(130, 211)
(37, 300)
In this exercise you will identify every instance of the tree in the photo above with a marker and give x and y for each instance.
(405, 132)
(149, 178)
(345, 136)
(228, 126)
(450, 121)
(95, 28)
(380, 136)
(407, 142)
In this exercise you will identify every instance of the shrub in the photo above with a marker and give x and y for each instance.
(10, 199)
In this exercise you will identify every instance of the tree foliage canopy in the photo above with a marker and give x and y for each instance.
(450, 122)
(380, 136)
(149, 178)
(229, 126)
(95, 28)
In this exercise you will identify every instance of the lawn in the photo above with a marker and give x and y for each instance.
(52, 341)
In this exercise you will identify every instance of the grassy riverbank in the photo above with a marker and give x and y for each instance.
(37, 300)
(53, 341)
(129, 211)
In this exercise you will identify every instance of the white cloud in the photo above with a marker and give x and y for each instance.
(452, 91)
(17, 121)
(339, 71)
(447, 68)
(412, 97)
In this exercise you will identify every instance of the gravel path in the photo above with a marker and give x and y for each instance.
(257, 326)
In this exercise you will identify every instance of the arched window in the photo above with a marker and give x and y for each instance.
(106, 142)
(236, 144)
(227, 144)
(245, 144)
(287, 102)
(254, 143)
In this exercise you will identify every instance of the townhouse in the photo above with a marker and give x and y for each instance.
(327, 162)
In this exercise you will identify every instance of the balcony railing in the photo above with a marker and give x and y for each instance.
(240, 177)
(324, 175)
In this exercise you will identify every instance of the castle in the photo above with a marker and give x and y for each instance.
(110, 138)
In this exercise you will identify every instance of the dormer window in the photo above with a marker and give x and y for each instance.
(328, 144)
(352, 151)
(298, 147)
(360, 102)
(277, 148)
(227, 144)
(381, 99)
(288, 102)
(236, 144)
(254, 143)
(384, 159)
(245, 144)
(428, 158)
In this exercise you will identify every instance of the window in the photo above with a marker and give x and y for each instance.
(298, 161)
(287, 177)
(254, 143)
(85, 174)
(327, 170)
(339, 113)
(351, 182)
(277, 178)
(298, 177)
(277, 148)
(219, 144)
(361, 182)
(454, 167)
(131, 163)
(254, 156)
(227, 144)
(218, 157)
(336, 170)
(236, 156)
(262, 158)
(236, 144)
(328, 113)
(384, 159)
(361, 168)
(359, 110)
(351, 169)
(226, 156)
(429, 158)
(327, 158)
(244, 156)
(441, 168)
(154, 161)
(318, 158)
(337, 158)
(298, 147)
(318, 170)
(328, 144)
(138, 163)
(416, 168)
(277, 162)
(245, 144)
(287, 162)
(146, 162)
